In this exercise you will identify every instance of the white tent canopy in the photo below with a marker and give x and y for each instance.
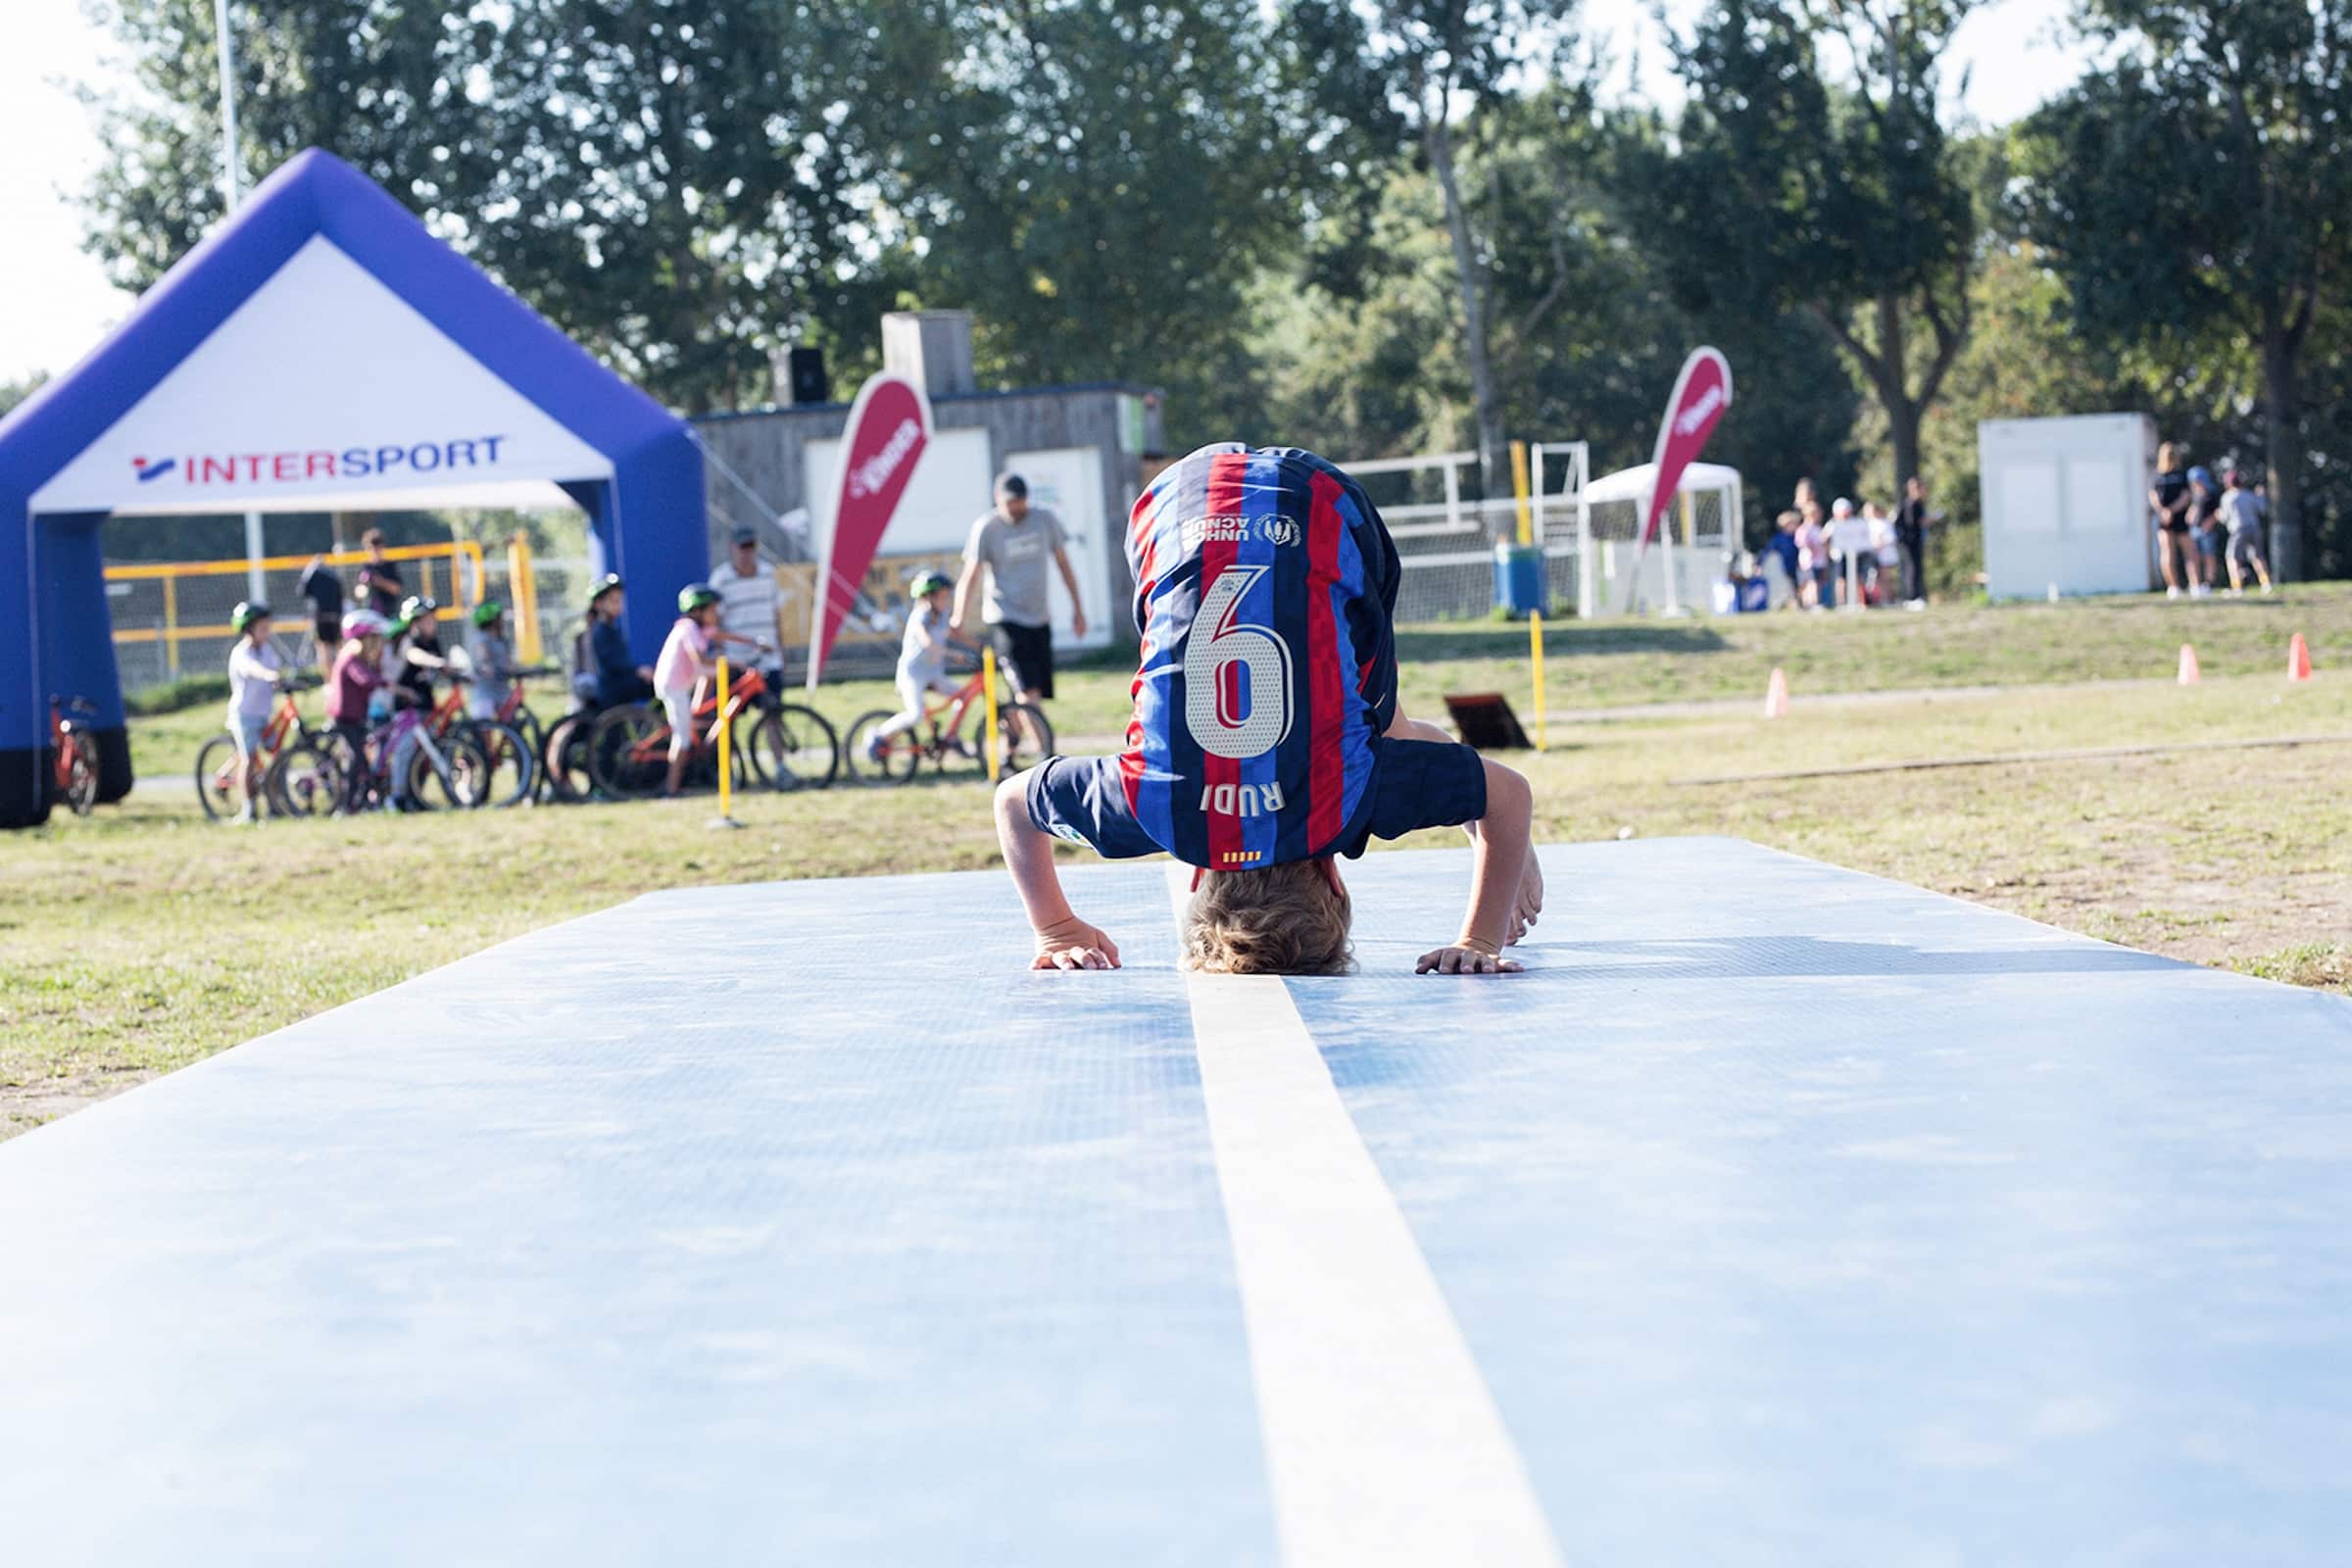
(1633, 484)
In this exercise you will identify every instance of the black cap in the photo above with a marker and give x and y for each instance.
(745, 535)
(1012, 486)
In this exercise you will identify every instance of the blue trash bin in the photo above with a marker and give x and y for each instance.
(1519, 579)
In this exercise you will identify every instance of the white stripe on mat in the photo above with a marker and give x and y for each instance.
(1383, 1441)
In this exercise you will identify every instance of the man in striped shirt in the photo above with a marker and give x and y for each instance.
(1266, 741)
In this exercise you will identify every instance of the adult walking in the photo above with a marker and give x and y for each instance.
(324, 590)
(751, 611)
(380, 588)
(1013, 540)
(1911, 521)
(2169, 496)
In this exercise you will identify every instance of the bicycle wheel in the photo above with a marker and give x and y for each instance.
(462, 783)
(81, 772)
(793, 748)
(628, 750)
(219, 782)
(534, 736)
(306, 779)
(563, 759)
(513, 767)
(901, 753)
(1024, 736)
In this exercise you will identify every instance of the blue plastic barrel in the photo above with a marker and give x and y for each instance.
(1519, 579)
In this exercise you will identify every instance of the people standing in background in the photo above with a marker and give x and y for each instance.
(1884, 556)
(2169, 497)
(2242, 510)
(1911, 522)
(1781, 551)
(751, 611)
(1013, 540)
(1814, 572)
(1849, 550)
(2205, 529)
(324, 590)
(491, 660)
(380, 588)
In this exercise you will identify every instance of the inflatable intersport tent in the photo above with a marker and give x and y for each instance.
(320, 351)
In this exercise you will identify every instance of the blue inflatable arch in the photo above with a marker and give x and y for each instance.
(374, 367)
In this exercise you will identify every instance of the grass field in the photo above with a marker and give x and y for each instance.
(146, 938)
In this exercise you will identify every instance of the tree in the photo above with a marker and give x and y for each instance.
(1826, 186)
(2203, 183)
(1403, 77)
(1100, 188)
(13, 393)
(675, 182)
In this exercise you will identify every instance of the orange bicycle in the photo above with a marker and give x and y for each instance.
(782, 745)
(76, 778)
(298, 766)
(1023, 737)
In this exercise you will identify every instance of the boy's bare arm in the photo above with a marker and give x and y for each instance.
(1528, 904)
(1499, 861)
(1063, 941)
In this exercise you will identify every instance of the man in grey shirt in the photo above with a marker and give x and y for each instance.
(1015, 540)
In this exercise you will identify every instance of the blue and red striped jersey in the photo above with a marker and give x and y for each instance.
(1265, 583)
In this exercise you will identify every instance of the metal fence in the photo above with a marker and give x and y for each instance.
(1446, 540)
(171, 618)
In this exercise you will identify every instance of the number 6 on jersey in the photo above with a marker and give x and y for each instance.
(1249, 714)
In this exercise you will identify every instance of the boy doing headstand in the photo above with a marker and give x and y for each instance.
(1266, 741)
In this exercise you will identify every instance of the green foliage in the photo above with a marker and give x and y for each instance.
(2198, 190)
(1090, 182)
(13, 393)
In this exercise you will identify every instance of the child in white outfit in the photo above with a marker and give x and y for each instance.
(922, 660)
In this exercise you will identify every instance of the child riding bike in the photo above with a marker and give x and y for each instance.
(922, 659)
(686, 662)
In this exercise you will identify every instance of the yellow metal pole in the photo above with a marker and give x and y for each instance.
(1535, 645)
(172, 627)
(1690, 524)
(727, 748)
(1526, 531)
(988, 687)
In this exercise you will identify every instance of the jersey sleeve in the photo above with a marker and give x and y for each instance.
(1082, 799)
(1426, 784)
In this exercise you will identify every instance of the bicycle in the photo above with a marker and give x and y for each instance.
(786, 747)
(1024, 735)
(453, 764)
(75, 779)
(513, 761)
(298, 771)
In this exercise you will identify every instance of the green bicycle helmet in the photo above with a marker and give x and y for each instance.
(247, 612)
(694, 595)
(929, 582)
(488, 613)
(416, 607)
(604, 585)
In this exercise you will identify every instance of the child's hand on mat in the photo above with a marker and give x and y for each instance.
(1469, 956)
(1075, 945)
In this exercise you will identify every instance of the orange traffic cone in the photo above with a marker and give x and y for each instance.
(1775, 695)
(2188, 665)
(2298, 659)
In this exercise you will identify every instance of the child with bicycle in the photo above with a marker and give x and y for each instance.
(357, 695)
(255, 670)
(686, 662)
(490, 658)
(922, 659)
(1266, 740)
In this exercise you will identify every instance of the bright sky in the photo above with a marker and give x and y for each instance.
(55, 303)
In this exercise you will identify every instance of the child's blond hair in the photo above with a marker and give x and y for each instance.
(1290, 919)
